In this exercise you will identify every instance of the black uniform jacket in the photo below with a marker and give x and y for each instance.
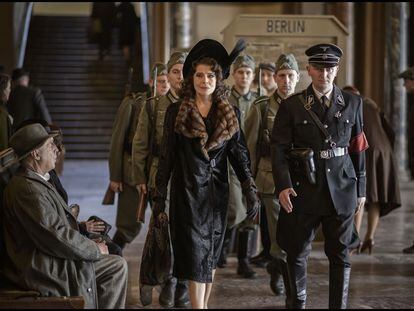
(339, 180)
(198, 196)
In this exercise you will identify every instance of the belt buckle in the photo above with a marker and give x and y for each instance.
(324, 154)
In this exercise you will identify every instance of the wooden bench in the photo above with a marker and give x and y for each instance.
(18, 299)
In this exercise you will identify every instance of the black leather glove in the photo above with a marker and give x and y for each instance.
(249, 189)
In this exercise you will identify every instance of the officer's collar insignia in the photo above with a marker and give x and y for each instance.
(171, 97)
(340, 99)
(338, 114)
(235, 93)
(277, 97)
(309, 102)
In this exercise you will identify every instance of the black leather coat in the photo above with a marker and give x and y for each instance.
(199, 194)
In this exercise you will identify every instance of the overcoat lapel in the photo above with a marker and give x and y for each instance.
(31, 175)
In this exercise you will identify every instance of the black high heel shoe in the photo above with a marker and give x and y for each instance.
(368, 244)
(355, 249)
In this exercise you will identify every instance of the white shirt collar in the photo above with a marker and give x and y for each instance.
(46, 177)
(319, 94)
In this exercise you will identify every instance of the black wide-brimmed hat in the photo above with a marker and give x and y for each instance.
(213, 49)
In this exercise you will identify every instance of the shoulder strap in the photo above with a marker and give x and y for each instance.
(264, 109)
(317, 121)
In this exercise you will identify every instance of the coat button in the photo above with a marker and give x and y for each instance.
(326, 141)
(305, 121)
(347, 121)
(325, 126)
(328, 170)
(297, 183)
(89, 290)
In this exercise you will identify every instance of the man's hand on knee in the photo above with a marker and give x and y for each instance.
(103, 248)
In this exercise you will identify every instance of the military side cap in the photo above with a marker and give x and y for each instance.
(287, 61)
(161, 70)
(244, 61)
(407, 74)
(268, 66)
(213, 49)
(324, 54)
(18, 73)
(176, 58)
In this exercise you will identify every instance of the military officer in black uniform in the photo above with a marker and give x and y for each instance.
(325, 121)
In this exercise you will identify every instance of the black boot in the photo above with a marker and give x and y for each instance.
(338, 287)
(119, 240)
(167, 295)
(285, 275)
(276, 278)
(145, 294)
(297, 282)
(222, 261)
(182, 299)
(243, 255)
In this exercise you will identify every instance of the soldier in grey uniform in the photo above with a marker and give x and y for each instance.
(120, 163)
(267, 76)
(241, 97)
(145, 160)
(258, 126)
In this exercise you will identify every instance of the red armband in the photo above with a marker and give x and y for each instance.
(358, 143)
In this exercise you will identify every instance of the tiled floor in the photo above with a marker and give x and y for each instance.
(383, 280)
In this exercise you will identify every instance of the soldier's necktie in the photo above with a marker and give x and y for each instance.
(325, 102)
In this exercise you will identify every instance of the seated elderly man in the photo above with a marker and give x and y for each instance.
(45, 250)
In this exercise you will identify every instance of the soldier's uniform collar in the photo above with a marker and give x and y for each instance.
(171, 97)
(337, 96)
(277, 97)
(319, 94)
(237, 95)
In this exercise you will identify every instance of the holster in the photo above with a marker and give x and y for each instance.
(301, 161)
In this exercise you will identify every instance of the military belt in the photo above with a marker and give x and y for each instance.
(331, 153)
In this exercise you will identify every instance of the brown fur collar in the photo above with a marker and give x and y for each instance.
(189, 123)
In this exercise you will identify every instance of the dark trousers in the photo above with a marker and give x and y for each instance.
(296, 231)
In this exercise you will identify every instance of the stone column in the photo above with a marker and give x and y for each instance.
(396, 62)
(182, 25)
(344, 12)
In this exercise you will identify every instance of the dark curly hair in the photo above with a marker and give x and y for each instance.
(221, 92)
(4, 80)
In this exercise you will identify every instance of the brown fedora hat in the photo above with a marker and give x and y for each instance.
(29, 138)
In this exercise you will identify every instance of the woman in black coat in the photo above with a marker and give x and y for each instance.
(201, 133)
(383, 191)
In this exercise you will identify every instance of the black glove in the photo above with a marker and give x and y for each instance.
(249, 189)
